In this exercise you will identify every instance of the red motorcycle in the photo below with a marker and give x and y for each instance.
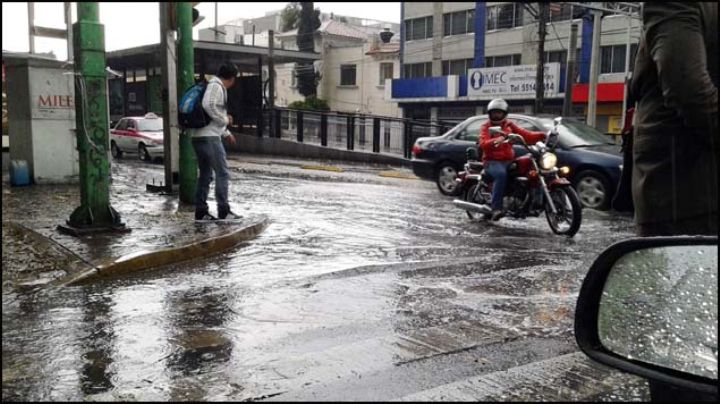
(534, 185)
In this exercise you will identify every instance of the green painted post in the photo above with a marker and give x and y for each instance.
(185, 80)
(91, 109)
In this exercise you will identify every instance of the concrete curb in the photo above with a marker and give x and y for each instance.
(323, 168)
(143, 260)
(395, 174)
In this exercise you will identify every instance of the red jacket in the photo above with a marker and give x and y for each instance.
(504, 152)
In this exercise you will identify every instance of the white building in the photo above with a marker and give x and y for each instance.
(354, 69)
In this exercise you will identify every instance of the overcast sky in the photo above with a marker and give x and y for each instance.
(134, 24)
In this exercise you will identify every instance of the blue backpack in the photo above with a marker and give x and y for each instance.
(191, 114)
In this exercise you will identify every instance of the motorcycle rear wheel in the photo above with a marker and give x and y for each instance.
(569, 211)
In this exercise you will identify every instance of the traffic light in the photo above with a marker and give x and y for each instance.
(196, 17)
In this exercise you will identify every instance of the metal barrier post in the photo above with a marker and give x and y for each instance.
(406, 139)
(278, 120)
(299, 116)
(350, 132)
(376, 135)
(323, 129)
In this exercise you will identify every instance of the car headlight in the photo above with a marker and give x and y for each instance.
(548, 161)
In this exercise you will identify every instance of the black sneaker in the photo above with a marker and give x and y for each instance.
(205, 216)
(230, 215)
(497, 215)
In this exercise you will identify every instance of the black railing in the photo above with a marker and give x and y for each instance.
(347, 131)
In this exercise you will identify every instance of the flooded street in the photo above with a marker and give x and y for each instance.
(361, 288)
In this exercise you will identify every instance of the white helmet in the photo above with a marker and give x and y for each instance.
(498, 103)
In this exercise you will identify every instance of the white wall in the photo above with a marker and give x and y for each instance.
(367, 96)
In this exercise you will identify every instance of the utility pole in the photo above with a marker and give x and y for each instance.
(627, 71)
(31, 24)
(171, 132)
(91, 115)
(594, 67)
(540, 75)
(68, 26)
(271, 78)
(570, 72)
(185, 80)
(217, 34)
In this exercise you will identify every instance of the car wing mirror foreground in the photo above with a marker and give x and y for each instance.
(648, 306)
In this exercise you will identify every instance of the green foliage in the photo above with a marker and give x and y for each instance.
(311, 103)
(290, 16)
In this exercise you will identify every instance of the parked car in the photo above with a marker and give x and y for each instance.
(594, 161)
(138, 134)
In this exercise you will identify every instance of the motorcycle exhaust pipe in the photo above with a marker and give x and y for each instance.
(473, 207)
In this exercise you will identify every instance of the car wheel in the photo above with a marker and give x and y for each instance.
(593, 189)
(143, 153)
(115, 150)
(445, 179)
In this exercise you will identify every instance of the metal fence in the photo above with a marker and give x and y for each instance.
(337, 130)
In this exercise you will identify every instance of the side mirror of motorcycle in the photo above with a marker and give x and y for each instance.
(648, 306)
(515, 138)
(496, 130)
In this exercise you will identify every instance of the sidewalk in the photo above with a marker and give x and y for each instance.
(258, 163)
(36, 255)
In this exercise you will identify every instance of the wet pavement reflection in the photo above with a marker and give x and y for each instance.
(357, 290)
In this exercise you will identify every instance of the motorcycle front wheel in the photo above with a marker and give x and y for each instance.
(567, 220)
(479, 199)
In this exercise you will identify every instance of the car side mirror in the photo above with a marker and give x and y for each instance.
(648, 306)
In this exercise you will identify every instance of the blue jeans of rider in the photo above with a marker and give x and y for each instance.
(211, 158)
(498, 171)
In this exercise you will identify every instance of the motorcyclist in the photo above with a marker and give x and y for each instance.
(497, 156)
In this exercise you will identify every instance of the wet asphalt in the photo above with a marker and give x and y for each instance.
(361, 288)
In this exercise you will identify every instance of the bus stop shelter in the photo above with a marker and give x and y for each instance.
(139, 90)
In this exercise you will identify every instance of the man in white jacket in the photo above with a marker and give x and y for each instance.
(209, 148)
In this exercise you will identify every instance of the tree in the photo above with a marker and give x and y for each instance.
(289, 16)
(308, 23)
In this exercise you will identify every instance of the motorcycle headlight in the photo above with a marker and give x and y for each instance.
(548, 161)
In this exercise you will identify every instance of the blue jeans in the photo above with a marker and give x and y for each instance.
(211, 157)
(498, 171)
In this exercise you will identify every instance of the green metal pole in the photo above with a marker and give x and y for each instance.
(92, 123)
(185, 80)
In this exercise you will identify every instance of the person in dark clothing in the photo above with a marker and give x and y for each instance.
(675, 145)
(622, 201)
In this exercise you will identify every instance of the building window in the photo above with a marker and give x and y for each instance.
(459, 23)
(386, 72)
(503, 60)
(613, 58)
(347, 75)
(560, 12)
(561, 57)
(504, 16)
(293, 78)
(457, 67)
(417, 70)
(418, 28)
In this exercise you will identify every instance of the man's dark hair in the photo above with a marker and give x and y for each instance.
(227, 71)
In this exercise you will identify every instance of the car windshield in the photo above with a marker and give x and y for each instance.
(574, 133)
(150, 125)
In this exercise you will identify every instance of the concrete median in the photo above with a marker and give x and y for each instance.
(148, 259)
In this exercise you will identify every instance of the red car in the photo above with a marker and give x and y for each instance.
(138, 134)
